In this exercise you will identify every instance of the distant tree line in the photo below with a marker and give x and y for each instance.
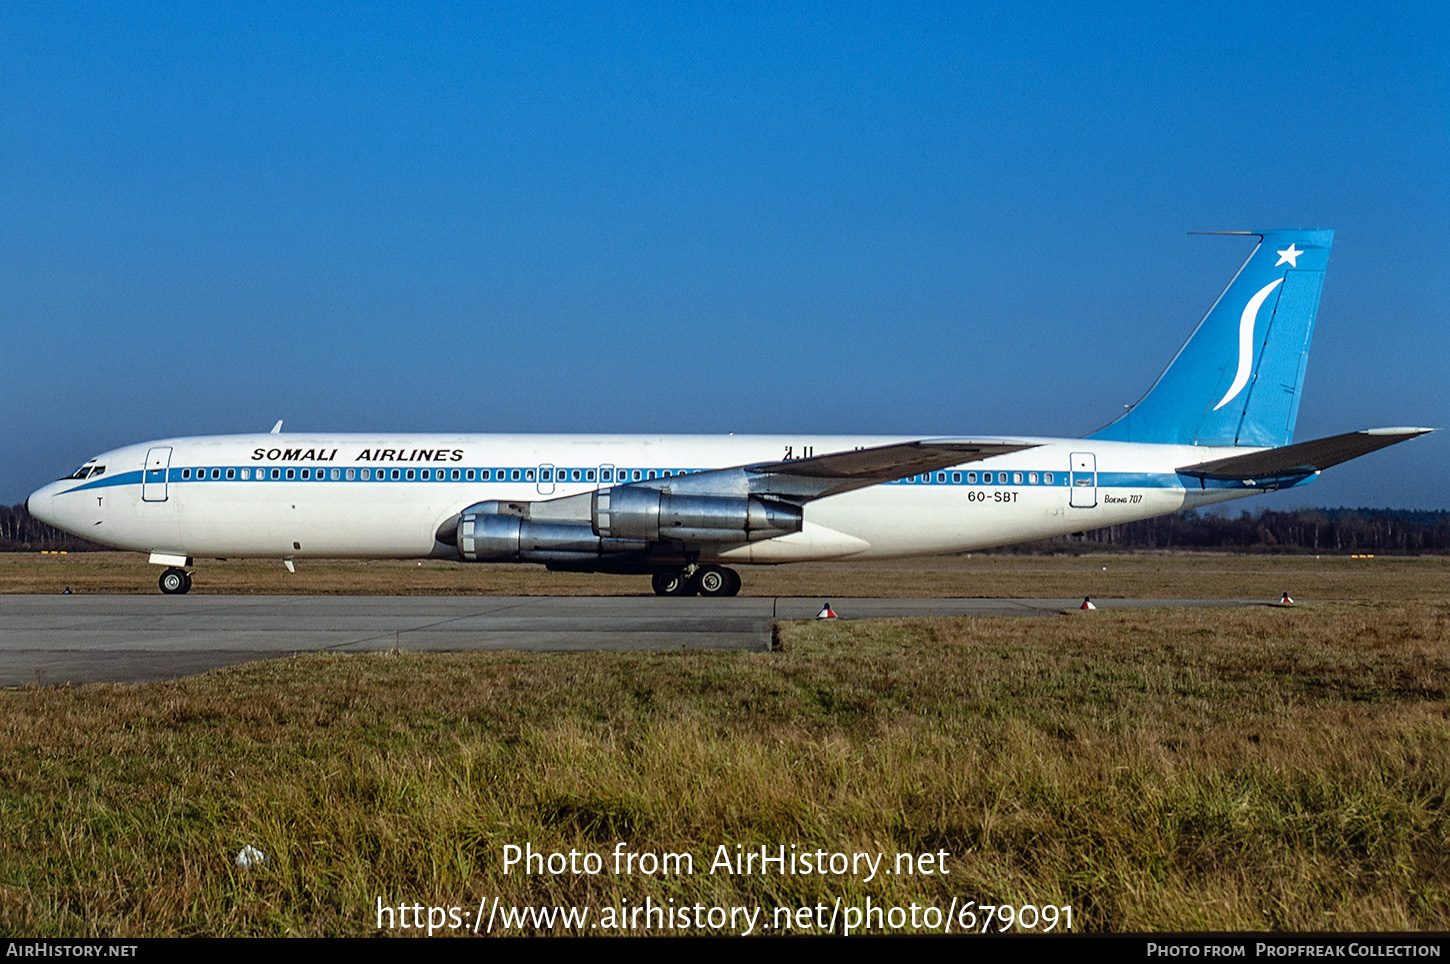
(1302, 530)
(19, 531)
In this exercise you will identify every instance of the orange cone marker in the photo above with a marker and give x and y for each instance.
(826, 612)
(1087, 604)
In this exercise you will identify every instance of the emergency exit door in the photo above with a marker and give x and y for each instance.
(1082, 481)
(153, 477)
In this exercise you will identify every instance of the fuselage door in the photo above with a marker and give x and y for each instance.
(1083, 480)
(546, 479)
(153, 477)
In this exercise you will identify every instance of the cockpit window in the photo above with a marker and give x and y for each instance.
(88, 471)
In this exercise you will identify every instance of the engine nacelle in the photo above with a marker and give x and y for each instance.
(485, 534)
(634, 512)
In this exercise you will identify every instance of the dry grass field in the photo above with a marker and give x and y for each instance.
(1259, 768)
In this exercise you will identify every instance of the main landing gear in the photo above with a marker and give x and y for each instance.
(175, 581)
(697, 580)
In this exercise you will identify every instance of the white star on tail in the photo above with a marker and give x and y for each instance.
(1290, 255)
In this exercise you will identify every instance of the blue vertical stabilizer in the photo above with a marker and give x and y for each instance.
(1237, 379)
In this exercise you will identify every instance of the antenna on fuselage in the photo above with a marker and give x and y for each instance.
(276, 429)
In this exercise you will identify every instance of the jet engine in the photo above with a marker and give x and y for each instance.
(613, 522)
(633, 512)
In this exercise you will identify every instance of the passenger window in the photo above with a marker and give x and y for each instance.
(351, 474)
(588, 475)
(1047, 477)
(941, 476)
(972, 478)
(410, 475)
(291, 474)
(1032, 478)
(546, 475)
(651, 473)
(574, 475)
(529, 475)
(514, 475)
(1016, 478)
(246, 474)
(395, 475)
(455, 475)
(276, 473)
(307, 473)
(231, 474)
(956, 478)
(425, 474)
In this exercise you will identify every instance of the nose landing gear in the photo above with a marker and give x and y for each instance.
(175, 581)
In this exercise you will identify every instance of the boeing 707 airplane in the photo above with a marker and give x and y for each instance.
(1218, 424)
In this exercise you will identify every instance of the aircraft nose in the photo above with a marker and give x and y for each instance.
(41, 502)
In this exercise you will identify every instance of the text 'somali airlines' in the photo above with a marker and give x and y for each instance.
(1217, 425)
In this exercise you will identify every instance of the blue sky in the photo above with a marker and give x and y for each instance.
(925, 219)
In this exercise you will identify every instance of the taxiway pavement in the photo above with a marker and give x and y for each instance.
(129, 639)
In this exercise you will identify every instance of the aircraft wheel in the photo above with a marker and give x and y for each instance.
(717, 581)
(672, 584)
(175, 581)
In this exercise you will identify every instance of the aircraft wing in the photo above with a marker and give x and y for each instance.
(801, 480)
(793, 482)
(1301, 458)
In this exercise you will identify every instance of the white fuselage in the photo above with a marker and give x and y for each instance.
(386, 496)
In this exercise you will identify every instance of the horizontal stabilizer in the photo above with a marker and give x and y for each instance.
(1303, 458)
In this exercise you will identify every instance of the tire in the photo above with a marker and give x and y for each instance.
(711, 580)
(717, 581)
(672, 583)
(175, 581)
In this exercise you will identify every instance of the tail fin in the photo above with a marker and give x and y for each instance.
(1237, 379)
